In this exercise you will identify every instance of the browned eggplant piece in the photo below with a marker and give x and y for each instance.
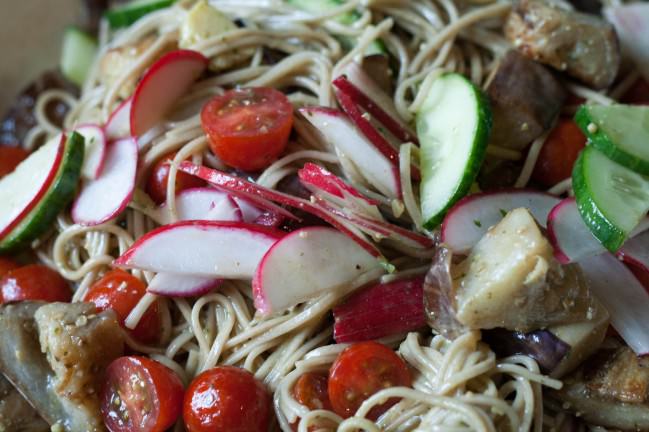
(610, 389)
(60, 375)
(16, 414)
(582, 45)
(525, 99)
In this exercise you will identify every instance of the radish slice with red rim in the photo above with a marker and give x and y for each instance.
(179, 285)
(162, 85)
(202, 248)
(95, 153)
(119, 123)
(623, 296)
(106, 197)
(635, 252)
(339, 131)
(321, 179)
(249, 212)
(203, 204)
(306, 263)
(469, 219)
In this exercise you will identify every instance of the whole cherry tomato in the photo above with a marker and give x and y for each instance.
(121, 292)
(248, 128)
(156, 185)
(226, 399)
(34, 282)
(559, 153)
(362, 370)
(140, 395)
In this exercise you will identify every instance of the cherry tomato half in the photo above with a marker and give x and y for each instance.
(360, 371)
(226, 399)
(156, 185)
(34, 282)
(121, 292)
(248, 128)
(10, 157)
(6, 264)
(311, 391)
(140, 395)
(559, 153)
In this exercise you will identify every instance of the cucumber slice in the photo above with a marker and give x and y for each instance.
(126, 15)
(611, 198)
(78, 53)
(319, 7)
(621, 132)
(58, 195)
(453, 127)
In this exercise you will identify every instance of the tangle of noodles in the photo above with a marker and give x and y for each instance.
(458, 385)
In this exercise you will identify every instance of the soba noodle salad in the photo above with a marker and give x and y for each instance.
(330, 215)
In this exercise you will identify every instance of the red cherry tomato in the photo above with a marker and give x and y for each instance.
(248, 128)
(34, 282)
(121, 292)
(6, 264)
(311, 391)
(226, 399)
(156, 185)
(360, 371)
(140, 395)
(10, 157)
(559, 153)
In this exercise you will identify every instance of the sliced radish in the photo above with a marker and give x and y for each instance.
(162, 85)
(571, 238)
(623, 296)
(119, 123)
(472, 216)
(307, 263)
(636, 252)
(339, 131)
(381, 310)
(321, 179)
(203, 204)
(95, 153)
(106, 197)
(631, 22)
(22, 189)
(249, 211)
(364, 91)
(261, 195)
(182, 285)
(202, 248)
(569, 235)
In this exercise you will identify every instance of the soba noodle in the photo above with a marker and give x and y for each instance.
(458, 385)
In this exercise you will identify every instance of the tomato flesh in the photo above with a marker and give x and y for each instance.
(156, 185)
(140, 395)
(362, 370)
(34, 282)
(559, 153)
(121, 292)
(311, 391)
(7, 264)
(226, 399)
(248, 128)
(10, 157)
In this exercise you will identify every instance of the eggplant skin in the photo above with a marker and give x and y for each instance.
(610, 389)
(582, 45)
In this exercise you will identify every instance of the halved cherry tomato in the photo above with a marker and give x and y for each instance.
(121, 292)
(311, 391)
(140, 395)
(360, 371)
(559, 153)
(10, 157)
(6, 264)
(34, 282)
(248, 128)
(156, 186)
(226, 399)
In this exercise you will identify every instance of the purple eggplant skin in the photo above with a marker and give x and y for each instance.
(541, 345)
